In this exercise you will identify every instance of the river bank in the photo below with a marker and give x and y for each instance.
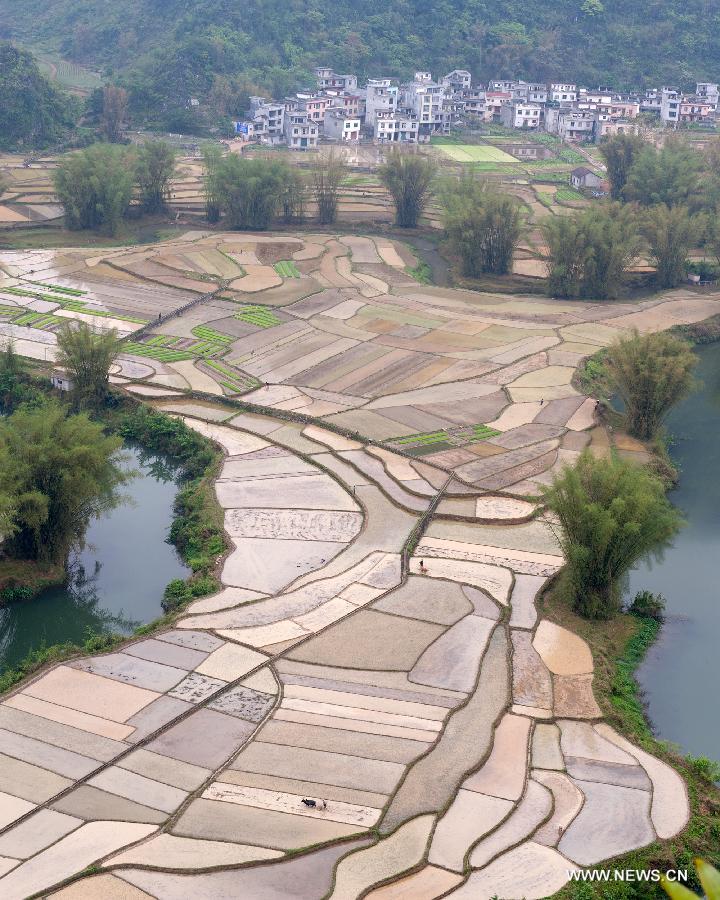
(196, 537)
(100, 592)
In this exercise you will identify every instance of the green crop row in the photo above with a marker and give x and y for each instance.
(74, 292)
(162, 354)
(209, 334)
(287, 269)
(260, 316)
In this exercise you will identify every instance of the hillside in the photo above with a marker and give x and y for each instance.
(166, 46)
(33, 112)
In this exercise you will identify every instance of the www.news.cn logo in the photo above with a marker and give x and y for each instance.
(630, 875)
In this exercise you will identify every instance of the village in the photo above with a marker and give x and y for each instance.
(384, 111)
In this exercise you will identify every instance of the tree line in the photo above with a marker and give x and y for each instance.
(96, 185)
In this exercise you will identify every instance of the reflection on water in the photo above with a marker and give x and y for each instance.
(682, 669)
(116, 580)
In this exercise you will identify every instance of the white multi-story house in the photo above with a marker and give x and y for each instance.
(536, 93)
(456, 81)
(650, 101)
(301, 133)
(563, 92)
(329, 80)
(381, 97)
(314, 105)
(521, 114)
(494, 102)
(425, 100)
(398, 127)
(339, 126)
(268, 120)
(708, 91)
(570, 124)
(504, 86)
(670, 105)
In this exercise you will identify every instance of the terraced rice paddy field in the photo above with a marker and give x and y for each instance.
(445, 730)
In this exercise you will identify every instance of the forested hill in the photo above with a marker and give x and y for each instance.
(275, 43)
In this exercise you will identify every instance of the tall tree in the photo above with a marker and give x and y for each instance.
(87, 355)
(327, 177)
(482, 225)
(61, 472)
(671, 175)
(292, 196)
(619, 152)
(251, 190)
(114, 112)
(212, 158)
(155, 170)
(611, 514)
(671, 233)
(95, 187)
(589, 252)
(650, 373)
(409, 178)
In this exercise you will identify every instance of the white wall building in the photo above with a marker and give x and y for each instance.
(301, 133)
(382, 97)
(457, 80)
(396, 128)
(329, 80)
(341, 127)
(521, 114)
(268, 120)
(570, 124)
(670, 105)
(563, 92)
(425, 100)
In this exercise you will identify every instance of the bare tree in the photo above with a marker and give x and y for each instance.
(114, 114)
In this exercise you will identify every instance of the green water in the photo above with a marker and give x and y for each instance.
(116, 582)
(682, 670)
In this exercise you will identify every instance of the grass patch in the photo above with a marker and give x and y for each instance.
(21, 579)
(568, 193)
(236, 382)
(443, 439)
(204, 332)
(422, 272)
(43, 656)
(74, 292)
(261, 316)
(151, 351)
(286, 268)
(546, 198)
(476, 153)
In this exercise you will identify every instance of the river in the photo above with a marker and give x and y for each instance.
(117, 581)
(682, 670)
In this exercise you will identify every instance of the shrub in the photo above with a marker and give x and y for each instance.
(176, 595)
(408, 177)
(483, 227)
(612, 514)
(647, 605)
(651, 373)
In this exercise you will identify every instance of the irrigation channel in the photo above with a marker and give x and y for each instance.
(116, 581)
